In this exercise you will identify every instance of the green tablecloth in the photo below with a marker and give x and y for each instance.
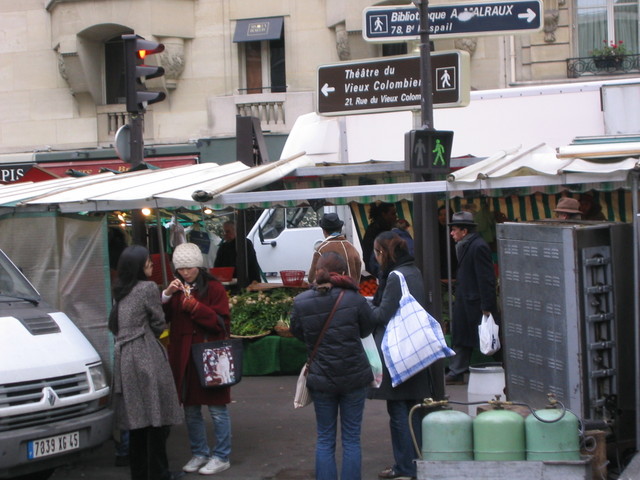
(273, 355)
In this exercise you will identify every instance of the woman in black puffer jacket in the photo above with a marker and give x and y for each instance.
(340, 372)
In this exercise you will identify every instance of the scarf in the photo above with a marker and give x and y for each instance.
(340, 281)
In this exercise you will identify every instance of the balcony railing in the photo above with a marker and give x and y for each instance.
(613, 65)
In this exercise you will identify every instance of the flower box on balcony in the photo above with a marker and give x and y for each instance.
(608, 61)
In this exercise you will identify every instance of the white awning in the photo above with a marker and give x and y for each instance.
(167, 187)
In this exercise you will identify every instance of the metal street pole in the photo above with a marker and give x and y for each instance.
(425, 206)
(136, 140)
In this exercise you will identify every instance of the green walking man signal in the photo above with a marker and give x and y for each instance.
(428, 151)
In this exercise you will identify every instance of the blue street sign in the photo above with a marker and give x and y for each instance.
(393, 24)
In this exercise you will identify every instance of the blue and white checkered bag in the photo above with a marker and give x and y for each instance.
(413, 339)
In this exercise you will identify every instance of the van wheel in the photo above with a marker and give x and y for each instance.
(41, 475)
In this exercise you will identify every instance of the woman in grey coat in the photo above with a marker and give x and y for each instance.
(145, 398)
(392, 253)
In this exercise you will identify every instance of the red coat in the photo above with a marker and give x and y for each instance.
(188, 328)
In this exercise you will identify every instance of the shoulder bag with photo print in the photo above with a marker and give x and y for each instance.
(219, 362)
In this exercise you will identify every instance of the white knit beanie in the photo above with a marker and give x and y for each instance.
(187, 255)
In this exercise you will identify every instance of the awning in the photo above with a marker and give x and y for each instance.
(161, 188)
(93, 166)
(258, 29)
(529, 170)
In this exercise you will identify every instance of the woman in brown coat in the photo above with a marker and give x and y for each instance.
(197, 308)
(145, 398)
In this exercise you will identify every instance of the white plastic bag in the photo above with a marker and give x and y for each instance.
(488, 333)
(375, 361)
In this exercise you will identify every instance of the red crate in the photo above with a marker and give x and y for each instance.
(292, 278)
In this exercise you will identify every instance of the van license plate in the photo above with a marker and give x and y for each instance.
(52, 445)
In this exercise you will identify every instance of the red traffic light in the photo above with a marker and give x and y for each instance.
(136, 49)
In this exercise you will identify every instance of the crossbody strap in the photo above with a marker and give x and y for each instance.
(324, 328)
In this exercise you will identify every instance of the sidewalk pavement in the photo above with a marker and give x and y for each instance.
(271, 440)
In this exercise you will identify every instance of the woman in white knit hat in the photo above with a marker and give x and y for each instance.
(197, 307)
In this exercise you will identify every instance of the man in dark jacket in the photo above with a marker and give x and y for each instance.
(227, 253)
(475, 293)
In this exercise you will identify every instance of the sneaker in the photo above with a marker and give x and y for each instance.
(390, 473)
(195, 463)
(215, 465)
(451, 379)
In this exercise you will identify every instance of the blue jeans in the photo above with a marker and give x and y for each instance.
(403, 450)
(198, 434)
(351, 407)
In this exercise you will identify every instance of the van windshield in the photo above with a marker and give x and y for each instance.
(13, 284)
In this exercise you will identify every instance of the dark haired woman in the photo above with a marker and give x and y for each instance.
(340, 372)
(382, 218)
(392, 253)
(197, 308)
(145, 398)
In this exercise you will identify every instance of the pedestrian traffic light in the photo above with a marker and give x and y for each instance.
(136, 72)
(428, 151)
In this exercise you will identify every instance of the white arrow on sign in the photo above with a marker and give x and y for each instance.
(530, 15)
(326, 89)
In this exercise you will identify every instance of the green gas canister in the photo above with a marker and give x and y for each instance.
(499, 435)
(553, 435)
(447, 435)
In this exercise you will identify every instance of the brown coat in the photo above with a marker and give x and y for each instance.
(341, 246)
(197, 327)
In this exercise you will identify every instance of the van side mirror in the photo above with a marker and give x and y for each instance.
(273, 243)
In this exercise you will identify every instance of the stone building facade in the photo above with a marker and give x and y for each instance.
(61, 60)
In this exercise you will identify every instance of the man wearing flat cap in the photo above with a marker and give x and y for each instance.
(568, 209)
(475, 293)
(335, 241)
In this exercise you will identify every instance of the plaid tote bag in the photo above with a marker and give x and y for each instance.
(413, 339)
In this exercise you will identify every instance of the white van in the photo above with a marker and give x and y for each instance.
(54, 392)
(284, 238)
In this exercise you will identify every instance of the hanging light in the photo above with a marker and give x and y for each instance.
(121, 217)
(208, 211)
(146, 211)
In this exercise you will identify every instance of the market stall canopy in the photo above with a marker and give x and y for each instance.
(532, 168)
(543, 166)
(167, 187)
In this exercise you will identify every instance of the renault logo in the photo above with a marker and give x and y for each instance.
(51, 397)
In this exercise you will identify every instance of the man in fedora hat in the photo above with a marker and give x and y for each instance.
(568, 209)
(335, 241)
(475, 293)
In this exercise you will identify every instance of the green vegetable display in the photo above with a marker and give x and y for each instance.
(255, 313)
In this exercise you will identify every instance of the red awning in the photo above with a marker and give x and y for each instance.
(36, 174)
(91, 167)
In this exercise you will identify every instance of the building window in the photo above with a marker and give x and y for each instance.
(607, 21)
(262, 54)
(114, 71)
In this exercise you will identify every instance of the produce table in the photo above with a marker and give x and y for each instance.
(273, 354)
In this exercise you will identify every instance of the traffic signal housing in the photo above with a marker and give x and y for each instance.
(428, 151)
(136, 49)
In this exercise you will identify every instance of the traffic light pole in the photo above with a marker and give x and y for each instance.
(136, 142)
(425, 205)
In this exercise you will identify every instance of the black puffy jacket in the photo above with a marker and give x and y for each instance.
(340, 364)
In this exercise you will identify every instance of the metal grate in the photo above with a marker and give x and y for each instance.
(41, 325)
(25, 393)
(615, 65)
